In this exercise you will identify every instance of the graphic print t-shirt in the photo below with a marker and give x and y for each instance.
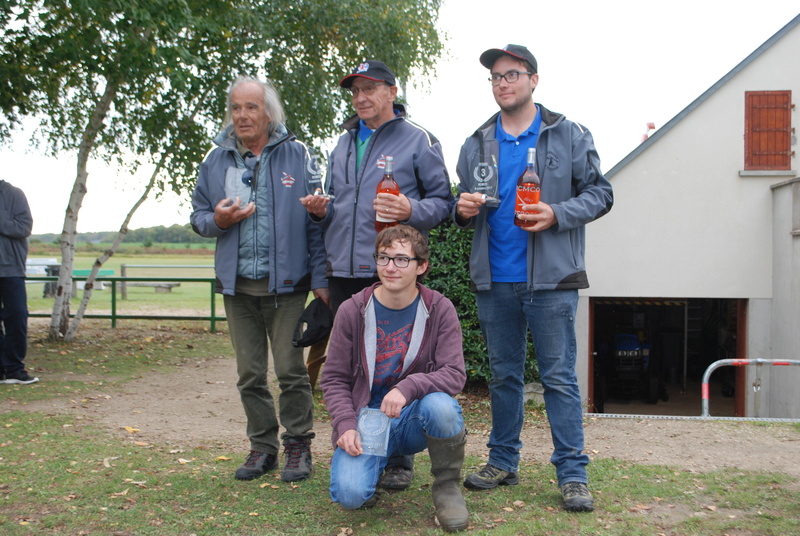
(394, 328)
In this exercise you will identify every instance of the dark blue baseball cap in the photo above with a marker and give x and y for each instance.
(515, 51)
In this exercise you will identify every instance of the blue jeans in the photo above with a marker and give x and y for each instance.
(354, 478)
(256, 323)
(14, 328)
(506, 312)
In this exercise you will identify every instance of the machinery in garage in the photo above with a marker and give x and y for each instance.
(645, 346)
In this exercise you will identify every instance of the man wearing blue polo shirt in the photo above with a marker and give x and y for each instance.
(527, 278)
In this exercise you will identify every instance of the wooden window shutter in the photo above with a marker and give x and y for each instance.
(768, 130)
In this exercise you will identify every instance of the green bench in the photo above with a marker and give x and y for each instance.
(99, 285)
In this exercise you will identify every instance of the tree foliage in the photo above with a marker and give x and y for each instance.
(170, 63)
(145, 80)
(160, 234)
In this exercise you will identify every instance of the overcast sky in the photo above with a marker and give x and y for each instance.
(613, 66)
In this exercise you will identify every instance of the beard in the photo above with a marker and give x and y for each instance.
(515, 106)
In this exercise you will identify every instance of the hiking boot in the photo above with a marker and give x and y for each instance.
(297, 454)
(490, 477)
(256, 465)
(396, 478)
(577, 497)
(19, 378)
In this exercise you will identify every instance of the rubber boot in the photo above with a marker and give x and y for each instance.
(447, 458)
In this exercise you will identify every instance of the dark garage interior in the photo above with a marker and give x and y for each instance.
(650, 355)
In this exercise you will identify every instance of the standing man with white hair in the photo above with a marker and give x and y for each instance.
(268, 256)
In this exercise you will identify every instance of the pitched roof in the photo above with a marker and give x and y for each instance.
(702, 98)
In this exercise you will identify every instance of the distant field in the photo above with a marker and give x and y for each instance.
(186, 299)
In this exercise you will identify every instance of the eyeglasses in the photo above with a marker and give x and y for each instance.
(401, 261)
(510, 76)
(247, 176)
(366, 89)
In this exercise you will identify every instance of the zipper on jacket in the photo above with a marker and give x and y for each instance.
(254, 221)
(272, 255)
(355, 204)
(357, 181)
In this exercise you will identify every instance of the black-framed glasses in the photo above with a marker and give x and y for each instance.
(401, 261)
(366, 89)
(510, 76)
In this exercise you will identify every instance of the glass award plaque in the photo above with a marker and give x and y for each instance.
(373, 427)
(314, 184)
(484, 182)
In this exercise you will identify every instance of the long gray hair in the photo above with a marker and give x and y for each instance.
(272, 102)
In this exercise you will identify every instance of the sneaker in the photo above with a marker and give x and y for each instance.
(396, 477)
(19, 378)
(256, 465)
(490, 477)
(297, 454)
(577, 497)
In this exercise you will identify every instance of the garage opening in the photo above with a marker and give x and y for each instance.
(649, 355)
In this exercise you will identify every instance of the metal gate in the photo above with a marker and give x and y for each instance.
(738, 363)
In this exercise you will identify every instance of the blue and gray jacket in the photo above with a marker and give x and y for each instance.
(419, 171)
(278, 241)
(572, 184)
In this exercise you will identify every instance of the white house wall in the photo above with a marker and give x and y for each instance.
(782, 398)
(759, 346)
(687, 223)
(684, 223)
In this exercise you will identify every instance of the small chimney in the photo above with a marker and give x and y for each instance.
(650, 126)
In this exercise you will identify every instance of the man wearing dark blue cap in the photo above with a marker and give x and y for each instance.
(379, 129)
(527, 277)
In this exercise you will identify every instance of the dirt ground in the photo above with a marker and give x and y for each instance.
(198, 405)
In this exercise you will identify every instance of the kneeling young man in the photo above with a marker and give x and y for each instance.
(396, 346)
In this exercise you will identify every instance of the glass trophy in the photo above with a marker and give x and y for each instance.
(484, 182)
(373, 428)
(314, 185)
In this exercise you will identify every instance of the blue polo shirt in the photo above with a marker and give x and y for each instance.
(508, 244)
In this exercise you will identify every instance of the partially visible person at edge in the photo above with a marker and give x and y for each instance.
(268, 256)
(16, 224)
(396, 346)
(528, 277)
(380, 128)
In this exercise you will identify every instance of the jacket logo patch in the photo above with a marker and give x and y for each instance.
(287, 180)
(552, 161)
(381, 162)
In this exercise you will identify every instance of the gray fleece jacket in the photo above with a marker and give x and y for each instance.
(16, 224)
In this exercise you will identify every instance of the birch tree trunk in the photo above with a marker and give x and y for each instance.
(72, 330)
(89, 287)
(59, 319)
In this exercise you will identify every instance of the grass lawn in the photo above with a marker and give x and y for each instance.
(62, 475)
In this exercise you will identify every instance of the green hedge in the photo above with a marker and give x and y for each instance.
(449, 274)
